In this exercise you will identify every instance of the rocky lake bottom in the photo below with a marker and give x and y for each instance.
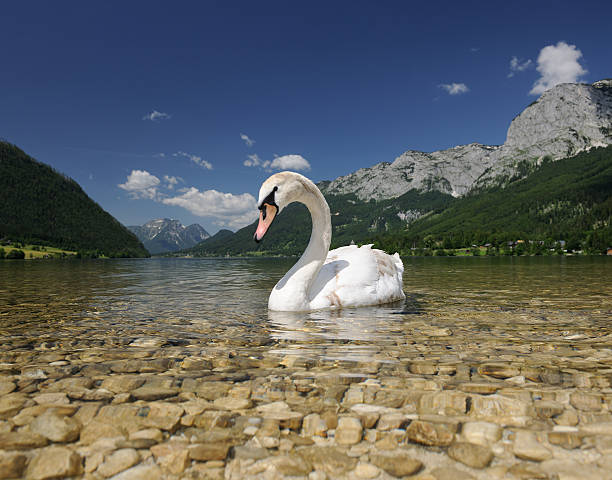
(492, 369)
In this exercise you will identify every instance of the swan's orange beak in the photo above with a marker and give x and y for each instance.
(267, 213)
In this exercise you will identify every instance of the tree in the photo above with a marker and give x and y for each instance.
(16, 255)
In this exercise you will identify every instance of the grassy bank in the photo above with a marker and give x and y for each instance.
(33, 252)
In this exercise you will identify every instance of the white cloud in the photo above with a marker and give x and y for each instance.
(455, 88)
(195, 159)
(248, 141)
(171, 181)
(229, 210)
(290, 162)
(141, 184)
(516, 65)
(155, 116)
(286, 162)
(226, 209)
(557, 64)
(253, 160)
(237, 222)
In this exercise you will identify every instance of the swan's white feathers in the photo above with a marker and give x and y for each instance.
(354, 276)
(348, 276)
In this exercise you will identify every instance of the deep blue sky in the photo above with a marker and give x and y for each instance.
(342, 84)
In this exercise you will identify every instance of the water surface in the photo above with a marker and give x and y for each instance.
(223, 302)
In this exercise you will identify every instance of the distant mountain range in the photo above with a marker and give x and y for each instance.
(167, 235)
(41, 206)
(552, 178)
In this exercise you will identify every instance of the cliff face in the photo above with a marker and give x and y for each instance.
(565, 120)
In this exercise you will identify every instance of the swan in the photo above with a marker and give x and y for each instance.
(348, 276)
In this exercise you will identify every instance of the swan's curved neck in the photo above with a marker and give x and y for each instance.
(292, 291)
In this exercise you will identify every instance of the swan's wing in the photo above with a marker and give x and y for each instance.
(357, 276)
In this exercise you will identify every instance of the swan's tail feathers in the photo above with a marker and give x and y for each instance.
(398, 264)
(399, 267)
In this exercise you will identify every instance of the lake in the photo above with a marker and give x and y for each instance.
(225, 300)
(492, 368)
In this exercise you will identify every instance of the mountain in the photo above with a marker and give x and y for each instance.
(352, 220)
(217, 244)
(470, 189)
(569, 199)
(166, 235)
(42, 206)
(564, 121)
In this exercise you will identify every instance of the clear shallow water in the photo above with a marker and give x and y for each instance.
(455, 302)
(536, 331)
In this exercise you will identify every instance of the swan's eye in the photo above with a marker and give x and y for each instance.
(269, 200)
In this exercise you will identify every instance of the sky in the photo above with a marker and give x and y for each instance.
(182, 109)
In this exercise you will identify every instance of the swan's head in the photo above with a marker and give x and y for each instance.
(276, 193)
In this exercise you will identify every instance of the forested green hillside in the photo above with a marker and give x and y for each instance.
(568, 200)
(41, 206)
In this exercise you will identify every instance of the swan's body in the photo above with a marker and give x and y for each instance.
(345, 277)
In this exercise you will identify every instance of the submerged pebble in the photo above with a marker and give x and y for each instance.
(255, 414)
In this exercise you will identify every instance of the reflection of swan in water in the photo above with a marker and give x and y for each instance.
(345, 277)
(365, 324)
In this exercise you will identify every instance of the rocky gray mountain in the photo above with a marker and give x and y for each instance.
(564, 121)
(167, 235)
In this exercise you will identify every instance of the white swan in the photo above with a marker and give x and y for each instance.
(345, 277)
